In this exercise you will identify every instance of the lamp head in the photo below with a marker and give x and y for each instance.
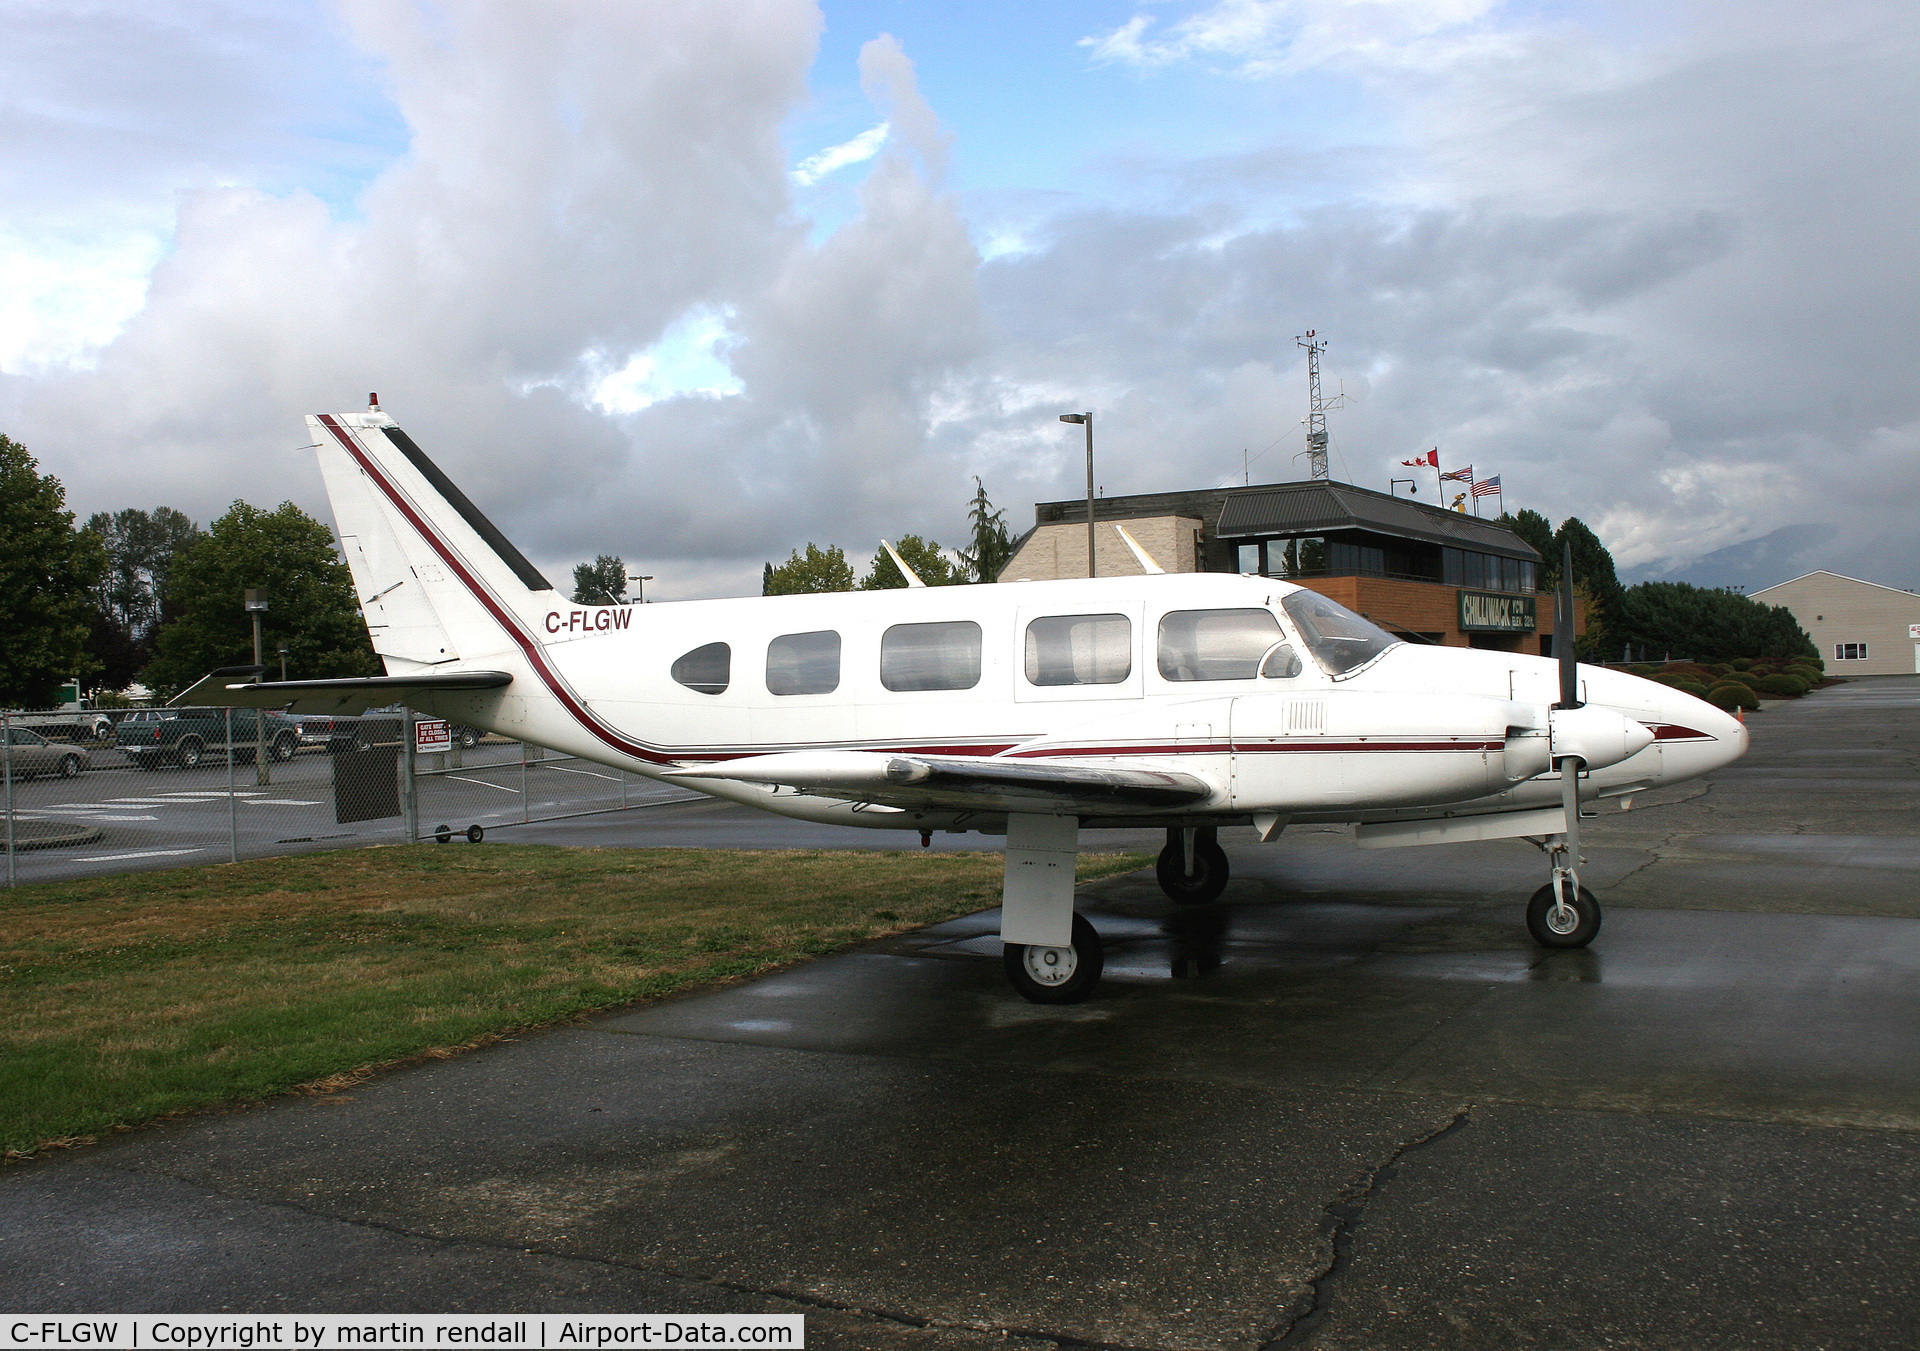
(256, 598)
(1073, 417)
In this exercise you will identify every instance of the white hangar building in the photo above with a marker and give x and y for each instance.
(1861, 628)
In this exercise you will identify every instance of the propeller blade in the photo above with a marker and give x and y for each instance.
(1563, 630)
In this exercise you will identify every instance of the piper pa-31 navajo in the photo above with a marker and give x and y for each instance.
(1185, 702)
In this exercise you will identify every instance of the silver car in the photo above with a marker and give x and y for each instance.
(29, 753)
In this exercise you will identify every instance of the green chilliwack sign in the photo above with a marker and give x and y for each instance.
(1485, 612)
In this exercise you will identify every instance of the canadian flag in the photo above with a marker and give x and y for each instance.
(1431, 460)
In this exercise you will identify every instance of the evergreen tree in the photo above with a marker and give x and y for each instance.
(766, 580)
(601, 582)
(1594, 576)
(140, 549)
(927, 559)
(1682, 621)
(992, 546)
(47, 570)
(1537, 530)
(314, 613)
(818, 570)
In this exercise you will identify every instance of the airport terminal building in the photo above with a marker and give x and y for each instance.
(1861, 628)
(1441, 576)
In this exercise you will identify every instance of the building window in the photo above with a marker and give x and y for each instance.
(1216, 644)
(1249, 559)
(804, 663)
(705, 670)
(1079, 650)
(931, 656)
(1849, 651)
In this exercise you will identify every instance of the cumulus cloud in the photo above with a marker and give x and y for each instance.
(1666, 284)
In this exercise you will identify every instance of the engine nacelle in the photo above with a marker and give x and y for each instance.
(1598, 736)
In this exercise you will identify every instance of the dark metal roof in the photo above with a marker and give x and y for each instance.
(1318, 507)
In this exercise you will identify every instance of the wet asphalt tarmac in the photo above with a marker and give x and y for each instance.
(1350, 1106)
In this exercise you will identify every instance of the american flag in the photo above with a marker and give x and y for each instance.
(1487, 487)
(1464, 475)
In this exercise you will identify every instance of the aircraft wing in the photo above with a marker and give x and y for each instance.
(966, 783)
(236, 687)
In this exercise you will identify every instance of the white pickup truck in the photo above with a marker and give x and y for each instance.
(76, 720)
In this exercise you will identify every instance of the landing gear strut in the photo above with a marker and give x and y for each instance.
(1192, 869)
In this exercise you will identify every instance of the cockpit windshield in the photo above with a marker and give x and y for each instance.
(1339, 639)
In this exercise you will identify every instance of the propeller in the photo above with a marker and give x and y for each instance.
(1566, 880)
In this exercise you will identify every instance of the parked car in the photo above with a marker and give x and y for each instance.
(152, 737)
(76, 720)
(29, 753)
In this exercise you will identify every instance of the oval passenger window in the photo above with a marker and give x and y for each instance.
(705, 670)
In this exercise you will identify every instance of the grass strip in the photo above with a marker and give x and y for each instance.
(127, 998)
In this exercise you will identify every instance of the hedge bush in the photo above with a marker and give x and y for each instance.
(1783, 686)
(1731, 697)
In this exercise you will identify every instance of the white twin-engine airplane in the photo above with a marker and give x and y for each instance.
(1183, 702)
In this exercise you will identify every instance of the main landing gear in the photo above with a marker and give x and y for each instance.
(1192, 869)
(1045, 975)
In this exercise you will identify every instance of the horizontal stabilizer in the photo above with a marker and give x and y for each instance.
(238, 687)
(943, 782)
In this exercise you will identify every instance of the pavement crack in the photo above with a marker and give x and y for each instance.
(1343, 1216)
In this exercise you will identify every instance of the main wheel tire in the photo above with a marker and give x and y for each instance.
(284, 747)
(188, 752)
(1540, 923)
(1066, 975)
(69, 766)
(1210, 872)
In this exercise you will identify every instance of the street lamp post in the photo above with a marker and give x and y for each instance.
(256, 600)
(282, 651)
(640, 591)
(1086, 419)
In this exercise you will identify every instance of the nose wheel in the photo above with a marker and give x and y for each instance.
(1192, 869)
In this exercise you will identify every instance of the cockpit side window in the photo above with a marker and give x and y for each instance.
(1339, 639)
(705, 670)
(1216, 644)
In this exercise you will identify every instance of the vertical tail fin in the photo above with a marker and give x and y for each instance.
(437, 580)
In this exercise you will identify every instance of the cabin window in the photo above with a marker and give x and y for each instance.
(705, 670)
(1283, 663)
(1216, 644)
(804, 663)
(1079, 650)
(931, 656)
(1339, 639)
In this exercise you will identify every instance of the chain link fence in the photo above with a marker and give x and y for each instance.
(152, 787)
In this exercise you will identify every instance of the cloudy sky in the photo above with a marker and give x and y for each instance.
(697, 283)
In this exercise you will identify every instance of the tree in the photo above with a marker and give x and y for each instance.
(1679, 620)
(927, 559)
(818, 570)
(314, 613)
(1537, 530)
(46, 571)
(766, 580)
(1594, 574)
(601, 582)
(992, 546)
(140, 549)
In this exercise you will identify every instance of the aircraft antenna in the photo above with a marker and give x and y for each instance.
(1317, 407)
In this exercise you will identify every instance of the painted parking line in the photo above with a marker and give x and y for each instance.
(484, 784)
(145, 853)
(278, 802)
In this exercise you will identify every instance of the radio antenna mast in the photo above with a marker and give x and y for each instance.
(1316, 407)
